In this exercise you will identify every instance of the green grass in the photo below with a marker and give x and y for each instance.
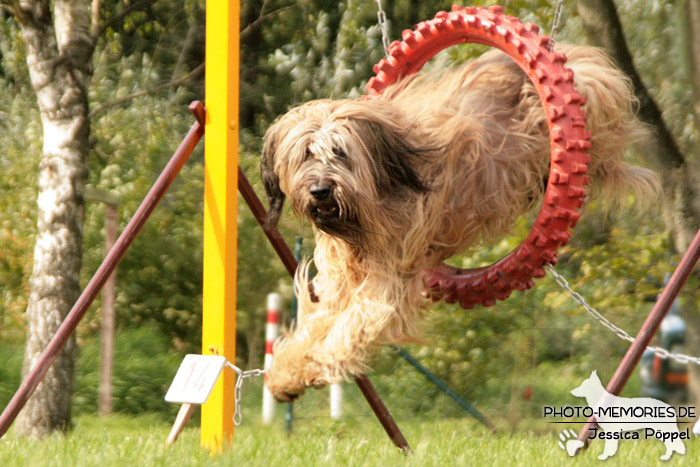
(139, 441)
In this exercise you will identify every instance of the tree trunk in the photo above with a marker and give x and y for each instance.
(109, 293)
(691, 13)
(58, 58)
(681, 201)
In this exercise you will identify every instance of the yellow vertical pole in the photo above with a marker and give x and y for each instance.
(220, 210)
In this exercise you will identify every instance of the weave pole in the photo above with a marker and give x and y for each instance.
(289, 412)
(336, 400)
(290, 263)
(272, 330)
(109, 264)
(651, 324)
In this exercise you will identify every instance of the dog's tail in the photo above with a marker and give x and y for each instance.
(610, 117)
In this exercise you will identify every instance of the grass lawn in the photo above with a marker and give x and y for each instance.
(140, 441)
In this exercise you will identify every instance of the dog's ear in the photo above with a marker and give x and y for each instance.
(271, 182)
(395, 158)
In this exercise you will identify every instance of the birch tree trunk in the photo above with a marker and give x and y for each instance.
(59, 50)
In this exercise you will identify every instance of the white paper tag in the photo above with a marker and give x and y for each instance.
(195, 379)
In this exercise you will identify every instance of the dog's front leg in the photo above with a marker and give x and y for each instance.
(322, 350)
(336, 336)
(300, 362)
(302, 357)
(295, 366)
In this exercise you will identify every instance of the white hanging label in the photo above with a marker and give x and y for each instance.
(195, 379)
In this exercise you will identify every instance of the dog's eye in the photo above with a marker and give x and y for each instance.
(308, 155)
(340, 153)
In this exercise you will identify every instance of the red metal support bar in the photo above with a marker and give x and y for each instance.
(383, 414)
(651, 324)
(273, 235)
(115, 255)
(287, 257)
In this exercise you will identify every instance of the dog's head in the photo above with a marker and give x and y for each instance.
(340, 162)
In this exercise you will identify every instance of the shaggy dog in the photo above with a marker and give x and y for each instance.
(395, 185)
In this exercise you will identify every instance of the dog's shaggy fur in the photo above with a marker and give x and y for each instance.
(397, 184)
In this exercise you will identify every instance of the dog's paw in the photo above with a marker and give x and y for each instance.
(283, 387)
(287, 395)
(572, 444)
(287, 380)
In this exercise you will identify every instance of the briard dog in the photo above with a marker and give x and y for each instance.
(394, 185)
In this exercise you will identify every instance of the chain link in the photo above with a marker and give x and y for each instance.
(384, 25)
(621, 333)
(555, 24)
(242, 375)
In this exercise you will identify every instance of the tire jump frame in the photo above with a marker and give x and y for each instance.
(569, 142)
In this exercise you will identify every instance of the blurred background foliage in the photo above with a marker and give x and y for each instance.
(508, 355)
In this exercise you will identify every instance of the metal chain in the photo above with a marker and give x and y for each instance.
(555, 24)
(384, 25)
(621, 333)
(242, 375)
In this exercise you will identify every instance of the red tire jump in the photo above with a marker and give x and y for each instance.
(569, 142)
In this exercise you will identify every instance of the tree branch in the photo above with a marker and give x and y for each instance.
(603, 28)
(7, 8)
(191, 75)
(193, 33)
(143, 4)
(26, 15)
(245, 32)
(95, 18)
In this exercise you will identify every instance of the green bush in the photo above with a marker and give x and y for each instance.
(10, 372)
(143, 370)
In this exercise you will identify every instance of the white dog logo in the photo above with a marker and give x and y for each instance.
(623, 417)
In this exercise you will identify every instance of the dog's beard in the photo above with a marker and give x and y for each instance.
(325, 216)
(336, 215)
(333, 218)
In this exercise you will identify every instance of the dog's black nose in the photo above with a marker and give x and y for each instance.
(320, 192)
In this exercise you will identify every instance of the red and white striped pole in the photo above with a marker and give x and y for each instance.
(272, 330)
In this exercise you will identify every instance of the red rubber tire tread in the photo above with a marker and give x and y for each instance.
(569, 142)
